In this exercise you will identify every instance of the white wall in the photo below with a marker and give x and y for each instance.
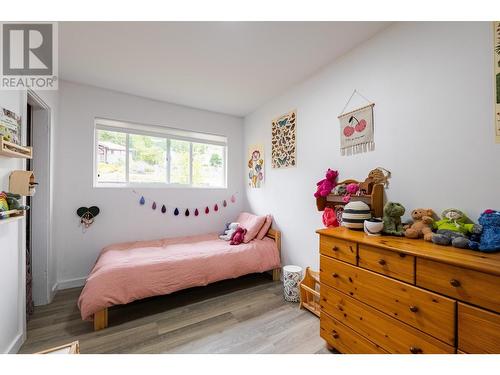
(12, 249)
(121, 217)
(433, 88)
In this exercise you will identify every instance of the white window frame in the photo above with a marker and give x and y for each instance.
(160, 132)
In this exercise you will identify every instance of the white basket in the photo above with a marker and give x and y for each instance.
(292, 275)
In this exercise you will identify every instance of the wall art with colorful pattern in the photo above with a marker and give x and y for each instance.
(283, 141)
(255, 165)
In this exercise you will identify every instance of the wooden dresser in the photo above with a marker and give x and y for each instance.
(396, 295)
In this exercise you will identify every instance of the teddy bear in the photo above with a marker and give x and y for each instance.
(392, 218)
(238, 236)
(230, 230)
(454, 228)
(325, 186)
(421, 225)
(489, 239)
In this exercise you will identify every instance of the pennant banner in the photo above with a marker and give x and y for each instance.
(185, 211)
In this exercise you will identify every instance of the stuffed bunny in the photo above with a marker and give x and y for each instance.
(228, 234)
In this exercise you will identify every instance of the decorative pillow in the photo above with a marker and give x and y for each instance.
(252, 223)
(265, 227)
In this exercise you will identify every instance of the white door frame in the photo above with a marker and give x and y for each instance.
(41, 215)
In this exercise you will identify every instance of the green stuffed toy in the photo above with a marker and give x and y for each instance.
(13, 201)
(454, 228)
(392, 219)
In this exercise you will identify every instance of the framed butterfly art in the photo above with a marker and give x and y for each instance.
(283, 141)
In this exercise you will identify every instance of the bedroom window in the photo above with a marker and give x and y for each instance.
(128, 155)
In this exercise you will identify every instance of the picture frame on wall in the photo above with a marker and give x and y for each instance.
(10, 126)
(256, 166)
(283, 141)
(496, 77)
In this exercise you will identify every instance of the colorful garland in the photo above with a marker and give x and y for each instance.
(177, 210)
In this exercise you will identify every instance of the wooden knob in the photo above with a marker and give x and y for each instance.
(455, 283)
(382, 262)
(415, 350)
(335, 275)
(335, 335)
(413, 309)
(335, 248)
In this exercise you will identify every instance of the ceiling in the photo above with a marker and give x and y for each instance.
(227, 67)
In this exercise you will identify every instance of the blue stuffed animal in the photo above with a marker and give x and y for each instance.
(489, 240)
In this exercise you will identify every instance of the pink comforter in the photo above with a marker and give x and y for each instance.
(130, 271)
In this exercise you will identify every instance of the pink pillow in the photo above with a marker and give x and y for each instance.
(252, 223)
(263, 231)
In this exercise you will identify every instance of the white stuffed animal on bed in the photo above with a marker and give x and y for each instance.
(229, 232)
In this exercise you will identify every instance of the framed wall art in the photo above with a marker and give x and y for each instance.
(283, 141)
(10, 126)
(256, 165)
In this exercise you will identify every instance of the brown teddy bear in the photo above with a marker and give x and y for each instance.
(422, 224)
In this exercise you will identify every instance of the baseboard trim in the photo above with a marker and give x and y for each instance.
(70, 283)
(16, 344)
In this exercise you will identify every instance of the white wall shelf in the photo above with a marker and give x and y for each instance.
(14, 215)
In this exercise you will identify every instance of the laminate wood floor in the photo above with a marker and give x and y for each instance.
(244, 315)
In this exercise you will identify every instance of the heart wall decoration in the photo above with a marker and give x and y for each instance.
(356, 129)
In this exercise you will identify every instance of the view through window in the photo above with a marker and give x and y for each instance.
(129, 156)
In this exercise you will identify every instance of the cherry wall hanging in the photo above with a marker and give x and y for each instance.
(356, 128)
(176, 210)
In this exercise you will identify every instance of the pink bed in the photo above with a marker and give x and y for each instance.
(130, 271)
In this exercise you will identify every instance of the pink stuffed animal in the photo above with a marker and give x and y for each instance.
(351, 189)
(238, 236)
(325, 186)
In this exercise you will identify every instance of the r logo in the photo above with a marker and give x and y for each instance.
(27, 49)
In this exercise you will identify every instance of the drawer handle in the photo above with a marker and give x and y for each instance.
(335, 275)
(455, 283)
(413, 309)
(382, 262)
(335, 248)
(415, 350)
(335, 335)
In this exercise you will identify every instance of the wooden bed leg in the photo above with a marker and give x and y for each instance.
(101, 320)
(277, 274)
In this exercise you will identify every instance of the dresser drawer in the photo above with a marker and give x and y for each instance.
(466, 285)
(390, 263)
(344, 339)
(478, 330)
(426, 311)
(338, 249)
(391, 334)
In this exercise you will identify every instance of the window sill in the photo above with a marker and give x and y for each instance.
(155, 186)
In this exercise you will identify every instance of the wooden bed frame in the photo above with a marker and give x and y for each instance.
(101, 317)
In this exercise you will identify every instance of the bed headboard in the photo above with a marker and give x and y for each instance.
(276, 236)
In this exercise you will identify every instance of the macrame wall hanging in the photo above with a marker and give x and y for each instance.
(356, 128)
(176, 210)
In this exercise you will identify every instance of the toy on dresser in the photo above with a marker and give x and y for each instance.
(454, 228)
(392, 219)
(421, 225)
(326, 185)
(489, 239)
